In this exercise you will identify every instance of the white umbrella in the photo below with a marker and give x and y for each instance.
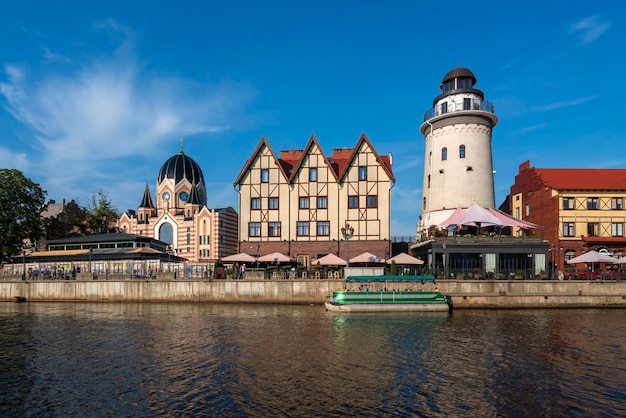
(593, 257)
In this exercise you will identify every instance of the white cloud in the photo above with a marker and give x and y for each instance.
(564, 103)
(94, 121)
(10, 159)
(533, 128)
(589, 29)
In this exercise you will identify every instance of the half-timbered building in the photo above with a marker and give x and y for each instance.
(306, 204)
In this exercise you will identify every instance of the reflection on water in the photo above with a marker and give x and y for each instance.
(66, 359)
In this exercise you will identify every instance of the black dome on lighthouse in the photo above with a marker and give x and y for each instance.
(179, 167)
(459, 73)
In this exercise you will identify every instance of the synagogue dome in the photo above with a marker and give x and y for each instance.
(179, 167)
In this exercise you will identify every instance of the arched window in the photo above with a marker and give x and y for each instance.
(444, 154)
(166, 233)
(462, 151)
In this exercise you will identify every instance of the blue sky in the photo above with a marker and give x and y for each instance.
(94, 97)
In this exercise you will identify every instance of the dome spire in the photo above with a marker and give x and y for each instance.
(181, 145)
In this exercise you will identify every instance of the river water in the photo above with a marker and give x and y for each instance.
(144, 360)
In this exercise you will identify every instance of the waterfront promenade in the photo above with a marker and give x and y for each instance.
(506, 294)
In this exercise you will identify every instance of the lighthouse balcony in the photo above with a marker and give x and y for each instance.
(465, 105)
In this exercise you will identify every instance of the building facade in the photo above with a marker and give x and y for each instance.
(180, 217)
(458, 168)
(306, 204)
(581, 209)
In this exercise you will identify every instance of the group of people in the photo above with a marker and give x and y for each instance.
(240, 271)
(53, 273)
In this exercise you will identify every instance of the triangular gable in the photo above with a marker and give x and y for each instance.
(306, 152)
(384, 162)
(262, 143)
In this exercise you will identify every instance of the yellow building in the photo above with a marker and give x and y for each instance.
(306, 204)
(581, 209)
(180, 217)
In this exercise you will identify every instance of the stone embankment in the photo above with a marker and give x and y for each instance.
(465, 293)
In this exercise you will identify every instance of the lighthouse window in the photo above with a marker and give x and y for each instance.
(462, 151)
(444, 107)
(467, 103)
(444, 154)
(464, 83)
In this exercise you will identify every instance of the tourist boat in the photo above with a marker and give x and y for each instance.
(387, 298)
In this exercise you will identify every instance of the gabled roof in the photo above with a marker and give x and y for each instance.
(385, 162)
(262, 143)
(290, 161)
(303, 154)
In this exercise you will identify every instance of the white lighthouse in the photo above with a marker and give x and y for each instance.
(458, 167)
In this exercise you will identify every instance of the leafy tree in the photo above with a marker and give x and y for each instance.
(99, 217)
(21, 204)
(54, 227)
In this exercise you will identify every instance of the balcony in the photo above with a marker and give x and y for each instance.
(452, 107)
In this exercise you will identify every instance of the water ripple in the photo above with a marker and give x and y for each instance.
(149, 360)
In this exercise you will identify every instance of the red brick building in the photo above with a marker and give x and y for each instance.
(581, 209)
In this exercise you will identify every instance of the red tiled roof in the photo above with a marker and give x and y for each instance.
(290, 160)
(583, 178)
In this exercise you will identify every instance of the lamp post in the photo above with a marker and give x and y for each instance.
(347, 232)
(23, 264)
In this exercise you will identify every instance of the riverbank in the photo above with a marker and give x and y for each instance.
(465, 293)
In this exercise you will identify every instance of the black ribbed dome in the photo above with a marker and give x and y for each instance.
(179, 167)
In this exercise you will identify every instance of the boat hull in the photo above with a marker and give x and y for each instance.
(388, 302)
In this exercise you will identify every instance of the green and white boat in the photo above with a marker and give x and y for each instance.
(387, 298)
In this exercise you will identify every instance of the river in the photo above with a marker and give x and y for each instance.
(189, 359)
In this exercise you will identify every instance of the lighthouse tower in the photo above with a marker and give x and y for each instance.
(458, 167)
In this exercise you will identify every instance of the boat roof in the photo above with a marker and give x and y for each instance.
(389, 278)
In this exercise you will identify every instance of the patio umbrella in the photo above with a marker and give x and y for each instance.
(405, 259)
(239, 258)
(273, 257)
(593, 257)
(367, 258)
(330, 260)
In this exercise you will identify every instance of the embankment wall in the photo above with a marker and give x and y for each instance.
(465, 293)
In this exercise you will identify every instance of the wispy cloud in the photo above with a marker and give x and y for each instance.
(532, 128)
(88, 122)
(11, 159)
(589, 29)
(564, 103)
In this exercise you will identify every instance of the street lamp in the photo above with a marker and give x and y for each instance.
(347, 232)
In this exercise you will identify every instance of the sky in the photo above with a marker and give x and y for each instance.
(95, 96)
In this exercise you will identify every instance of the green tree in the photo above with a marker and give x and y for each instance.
(21, 204)
(99, 217)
